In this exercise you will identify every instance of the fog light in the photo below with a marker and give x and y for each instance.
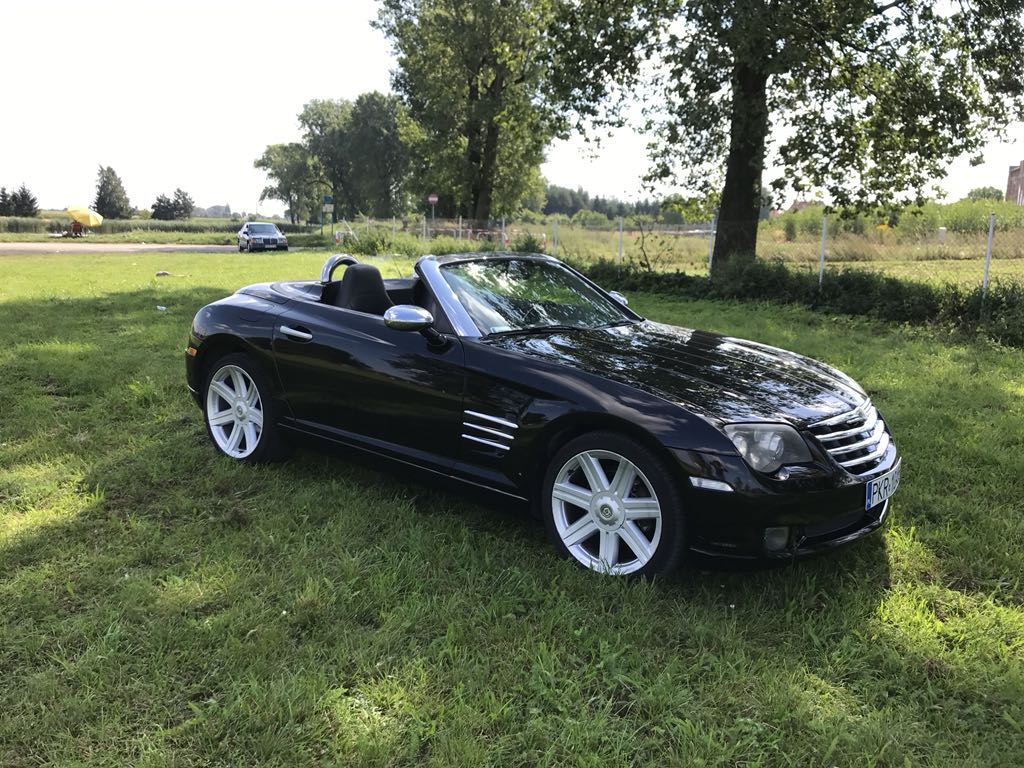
(776, 539)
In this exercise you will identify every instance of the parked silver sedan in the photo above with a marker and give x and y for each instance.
(261, 236)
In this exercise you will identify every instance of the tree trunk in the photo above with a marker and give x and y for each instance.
(741, 196)
(488, 170)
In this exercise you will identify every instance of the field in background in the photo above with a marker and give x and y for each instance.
(911, 250)
(164, 606)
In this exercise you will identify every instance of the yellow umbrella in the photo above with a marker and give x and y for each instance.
(84, 216)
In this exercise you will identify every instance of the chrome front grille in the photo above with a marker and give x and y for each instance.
(857, 440)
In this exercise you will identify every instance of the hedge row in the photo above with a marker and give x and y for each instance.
(845, 291)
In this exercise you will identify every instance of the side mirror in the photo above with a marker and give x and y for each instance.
(619, 298)
(409, 317)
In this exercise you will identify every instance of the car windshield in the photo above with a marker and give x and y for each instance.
(263, 229)
(522, 295)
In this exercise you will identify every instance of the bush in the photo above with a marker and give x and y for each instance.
(380, 242)
(527, 242)
(790, 230)
(846, 291)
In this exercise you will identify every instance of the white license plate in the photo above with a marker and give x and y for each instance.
(881, 488)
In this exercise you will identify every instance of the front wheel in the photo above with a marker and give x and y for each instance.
(612, 505)
(239, 412)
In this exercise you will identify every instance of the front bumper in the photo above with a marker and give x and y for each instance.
(819, 511)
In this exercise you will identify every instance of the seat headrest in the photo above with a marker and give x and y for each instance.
(362, 290)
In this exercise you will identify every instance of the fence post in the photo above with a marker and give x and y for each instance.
(620, 242)
(821, 258)
(460, 227)
(556, 238)
(988, 259)
(711, 243)
(988, 255)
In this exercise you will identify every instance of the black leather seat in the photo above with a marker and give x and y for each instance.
(362, 290)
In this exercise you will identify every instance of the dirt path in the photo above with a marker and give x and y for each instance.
(68, 246)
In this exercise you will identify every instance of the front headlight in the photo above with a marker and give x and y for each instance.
(766, 447)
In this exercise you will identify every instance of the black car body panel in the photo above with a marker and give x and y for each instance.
(490, 410)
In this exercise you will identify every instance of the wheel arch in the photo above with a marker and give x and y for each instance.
(217, 346)
(566, 428)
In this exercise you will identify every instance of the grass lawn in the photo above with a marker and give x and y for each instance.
(162, 606)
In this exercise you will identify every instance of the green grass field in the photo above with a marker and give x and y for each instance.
(165, 607)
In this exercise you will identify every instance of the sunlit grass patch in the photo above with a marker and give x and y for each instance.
(164, 606)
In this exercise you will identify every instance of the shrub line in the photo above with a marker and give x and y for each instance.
(999, 315)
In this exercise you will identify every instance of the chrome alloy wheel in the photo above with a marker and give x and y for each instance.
(234, 411)
(606, 512)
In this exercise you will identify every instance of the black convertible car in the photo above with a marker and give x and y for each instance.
(634, 441)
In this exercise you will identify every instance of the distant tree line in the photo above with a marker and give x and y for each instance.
(566, 201)
(21, 202)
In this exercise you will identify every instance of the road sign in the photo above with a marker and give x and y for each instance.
(432, 198)
(328, 208)
(328, 199)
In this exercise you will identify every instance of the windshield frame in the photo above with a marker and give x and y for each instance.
(430, 269)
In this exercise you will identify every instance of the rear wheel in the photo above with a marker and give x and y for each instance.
(239, 412)
(612, 505)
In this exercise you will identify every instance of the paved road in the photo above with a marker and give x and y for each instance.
(71, 246)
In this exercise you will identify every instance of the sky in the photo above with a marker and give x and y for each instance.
(189, 94)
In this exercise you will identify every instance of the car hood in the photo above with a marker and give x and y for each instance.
(719, 377)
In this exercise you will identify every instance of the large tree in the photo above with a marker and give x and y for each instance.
(380, 161)
(865, 100)
(472, 73)
(293, 174)
(6, 203)
(111, 199)
(325, 125)
(360, 151)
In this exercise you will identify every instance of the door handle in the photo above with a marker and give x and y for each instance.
(296, 334)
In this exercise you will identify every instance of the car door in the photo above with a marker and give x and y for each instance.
(243, 236)
(349, 377)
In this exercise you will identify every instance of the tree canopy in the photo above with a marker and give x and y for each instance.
(985, 193)
(866, 101)
(358, 151)
(178, 207)
(111, 200)
(293, 175)
(20, 202)
(472, 74)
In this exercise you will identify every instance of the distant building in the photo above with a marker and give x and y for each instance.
(1015, 184)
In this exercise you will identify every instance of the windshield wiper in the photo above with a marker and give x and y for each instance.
(615, 324)
(537, 329)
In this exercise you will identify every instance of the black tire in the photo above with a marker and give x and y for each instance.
(248, 246)
(270, 445)
(241, 248)
(654, 478)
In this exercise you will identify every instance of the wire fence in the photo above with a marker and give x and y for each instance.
(825, 245)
